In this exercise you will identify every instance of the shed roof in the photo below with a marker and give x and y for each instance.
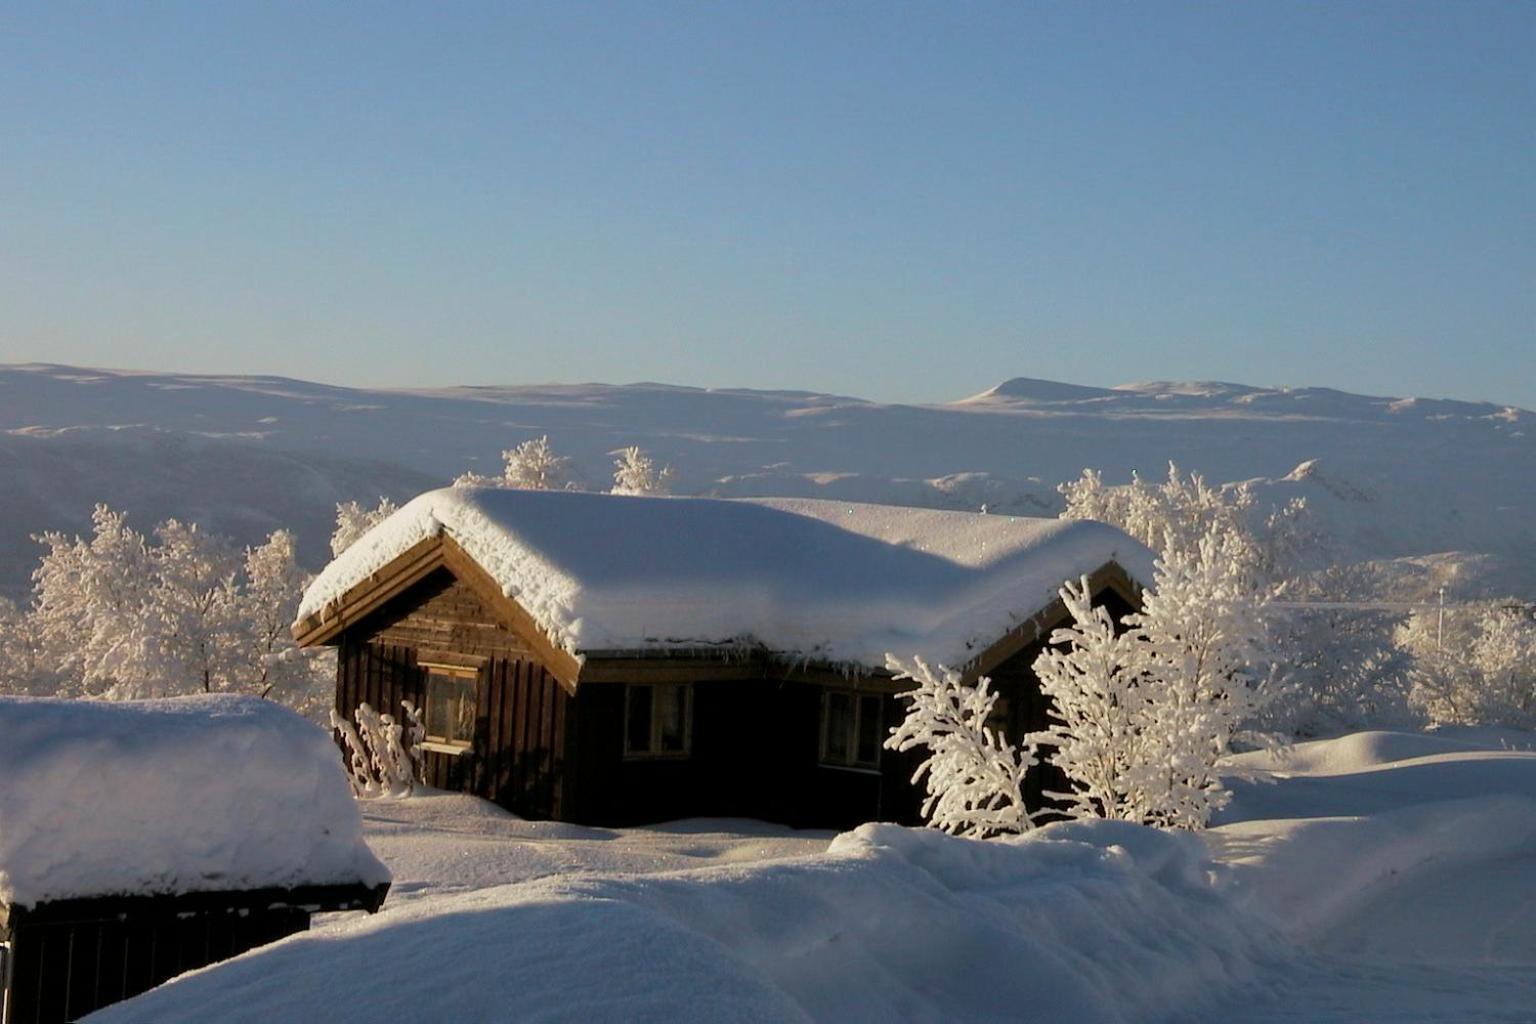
(825, 581)
(170, 797)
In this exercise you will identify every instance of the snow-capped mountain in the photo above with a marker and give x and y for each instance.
(1392, 477)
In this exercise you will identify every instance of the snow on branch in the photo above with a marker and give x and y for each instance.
(378, 764)
(974, 778)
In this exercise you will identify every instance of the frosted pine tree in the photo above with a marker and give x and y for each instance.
(634, 472)
(353, 519)
(973, 776)
(1099, 738)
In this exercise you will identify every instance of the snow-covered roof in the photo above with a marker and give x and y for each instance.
(827, 581)
(189, 794)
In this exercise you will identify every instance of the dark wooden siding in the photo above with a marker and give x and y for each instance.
(756, 754)
(441, 613)
(519, 730)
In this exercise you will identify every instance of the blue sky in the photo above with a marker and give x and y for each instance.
(900, 201)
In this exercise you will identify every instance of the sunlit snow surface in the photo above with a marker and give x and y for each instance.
(1379, 877)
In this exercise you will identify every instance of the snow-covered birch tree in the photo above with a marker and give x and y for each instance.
(1204, 673)
(1099, 737)
(118, 616)
(269, 660)
(353, 519)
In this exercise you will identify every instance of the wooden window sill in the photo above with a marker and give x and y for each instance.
(438, 747)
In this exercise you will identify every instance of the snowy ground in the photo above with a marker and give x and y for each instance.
(1377, 877)
(444, 843)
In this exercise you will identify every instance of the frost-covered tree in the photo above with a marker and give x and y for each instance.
(1102, 714)
(1505, 655)
(534, 466)
(1267, 548)
(377, 760)
(1144, 714)
(270, 663)
(635, 472)
(90, 599)
(118, 616)
(193, 611)
(973, 776)
(23, 669)
(1473, 665)
(1205, 672)
(531, 466)
(353, 519)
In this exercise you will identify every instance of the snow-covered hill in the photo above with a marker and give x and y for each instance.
(1392, 477)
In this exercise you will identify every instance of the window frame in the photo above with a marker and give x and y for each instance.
(852, 763)
(655, 753)
(457, 673)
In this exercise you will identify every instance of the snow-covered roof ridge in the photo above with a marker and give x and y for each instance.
(219, 793)
(828, 581)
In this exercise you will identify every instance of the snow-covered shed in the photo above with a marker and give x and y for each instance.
(613, 659)
(142, 839)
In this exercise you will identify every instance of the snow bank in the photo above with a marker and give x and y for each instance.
(1101, 923)
(1308, 875)
(191, 794)
(831, 581)
(1346, 819)
(1361, 751)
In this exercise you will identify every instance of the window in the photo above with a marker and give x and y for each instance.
(450, 722)
(850, 729)
(658, 720)
(1002, 714)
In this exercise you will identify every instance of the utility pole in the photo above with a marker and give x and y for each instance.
(1440, 622)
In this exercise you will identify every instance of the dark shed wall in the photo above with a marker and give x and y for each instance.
(65, 969)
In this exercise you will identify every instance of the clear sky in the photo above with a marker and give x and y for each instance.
(900, 201)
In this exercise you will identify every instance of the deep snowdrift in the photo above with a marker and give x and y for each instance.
(190, 794)
(833, 581)
(1095, 924)
(1415, 906)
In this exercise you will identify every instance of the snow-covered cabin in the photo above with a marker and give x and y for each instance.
(611, 659)
(142, 839)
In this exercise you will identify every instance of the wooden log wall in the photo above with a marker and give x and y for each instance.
(520, 723)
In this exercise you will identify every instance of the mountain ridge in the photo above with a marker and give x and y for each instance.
(1443, 475)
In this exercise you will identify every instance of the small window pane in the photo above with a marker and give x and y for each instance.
(869, 731)
(672, 718)
(638, 726)
(839, 726)
(450, 708)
